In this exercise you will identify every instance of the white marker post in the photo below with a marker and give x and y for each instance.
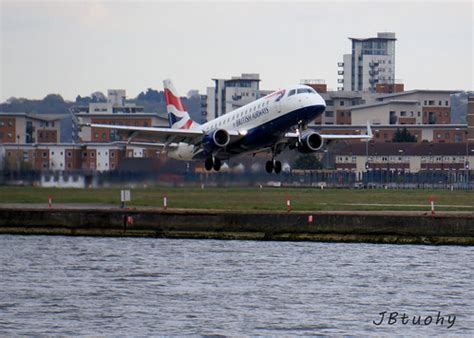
(288, 203)
(165, 202)
(125, 196)
(432, 206)
(50, 201)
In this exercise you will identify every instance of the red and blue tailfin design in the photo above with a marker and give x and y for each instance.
(178, 117)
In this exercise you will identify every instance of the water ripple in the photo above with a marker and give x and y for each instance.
(127, 286)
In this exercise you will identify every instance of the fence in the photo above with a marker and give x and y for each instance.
(303, 178)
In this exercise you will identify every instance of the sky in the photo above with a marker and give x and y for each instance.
(78, 47)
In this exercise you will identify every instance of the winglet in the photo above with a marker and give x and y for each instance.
(369, 130)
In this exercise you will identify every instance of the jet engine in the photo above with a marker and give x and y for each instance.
(310, 142)
(215, 139)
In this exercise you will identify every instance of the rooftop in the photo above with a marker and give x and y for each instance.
(363, 106)
(407, 149)
(408, 92)
(41, 117)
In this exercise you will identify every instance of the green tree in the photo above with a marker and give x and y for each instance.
(403, 136)
(53, 99)
(307, 161)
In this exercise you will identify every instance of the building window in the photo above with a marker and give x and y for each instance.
(403, 113)
(341, 103)
(426, 103)
(431, 103)
(84, 154)
(45, 154)
(92, 154)
(69, 154)
(447, 103)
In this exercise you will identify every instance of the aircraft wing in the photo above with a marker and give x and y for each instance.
(367, 136)
(164, 136)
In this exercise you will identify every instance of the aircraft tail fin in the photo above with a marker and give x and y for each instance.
(178, 117)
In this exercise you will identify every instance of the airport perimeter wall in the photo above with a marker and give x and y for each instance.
(373, 227)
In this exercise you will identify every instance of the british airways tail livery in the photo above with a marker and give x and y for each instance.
(178, 117)
(271, 123)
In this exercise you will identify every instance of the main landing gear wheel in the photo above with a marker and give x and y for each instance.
(208, 164)
(277, 167)
(273, 166)
(217, 164)
(269, 166)
(212, 163)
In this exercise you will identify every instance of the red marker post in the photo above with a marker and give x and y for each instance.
(310, 219)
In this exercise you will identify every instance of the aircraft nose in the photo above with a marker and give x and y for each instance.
(319, 101)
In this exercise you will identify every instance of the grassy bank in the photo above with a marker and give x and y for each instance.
(252, 198)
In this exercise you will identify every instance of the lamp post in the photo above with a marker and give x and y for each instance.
(18, 152)
(466, 163)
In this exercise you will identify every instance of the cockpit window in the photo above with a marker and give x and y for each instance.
(305, 90)
(291, 92)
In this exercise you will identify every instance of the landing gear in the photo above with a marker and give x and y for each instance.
(217, 164)
(273, 166)
(208, 164)
(212, 163)
(269, 166)
(277, 167)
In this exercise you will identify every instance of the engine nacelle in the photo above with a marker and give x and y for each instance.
(310, 142)
(215, 139)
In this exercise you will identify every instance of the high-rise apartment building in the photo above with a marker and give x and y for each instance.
(371, 62)
(230, 94)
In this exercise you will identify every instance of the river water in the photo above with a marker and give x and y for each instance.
(127, 286)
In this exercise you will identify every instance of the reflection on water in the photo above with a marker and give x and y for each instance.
(110, 286)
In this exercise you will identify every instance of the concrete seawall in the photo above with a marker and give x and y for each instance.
(374, 227)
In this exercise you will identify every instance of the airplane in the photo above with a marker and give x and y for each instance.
(272, 123)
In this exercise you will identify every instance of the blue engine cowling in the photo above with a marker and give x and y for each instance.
(310, 142)
(215, 140)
